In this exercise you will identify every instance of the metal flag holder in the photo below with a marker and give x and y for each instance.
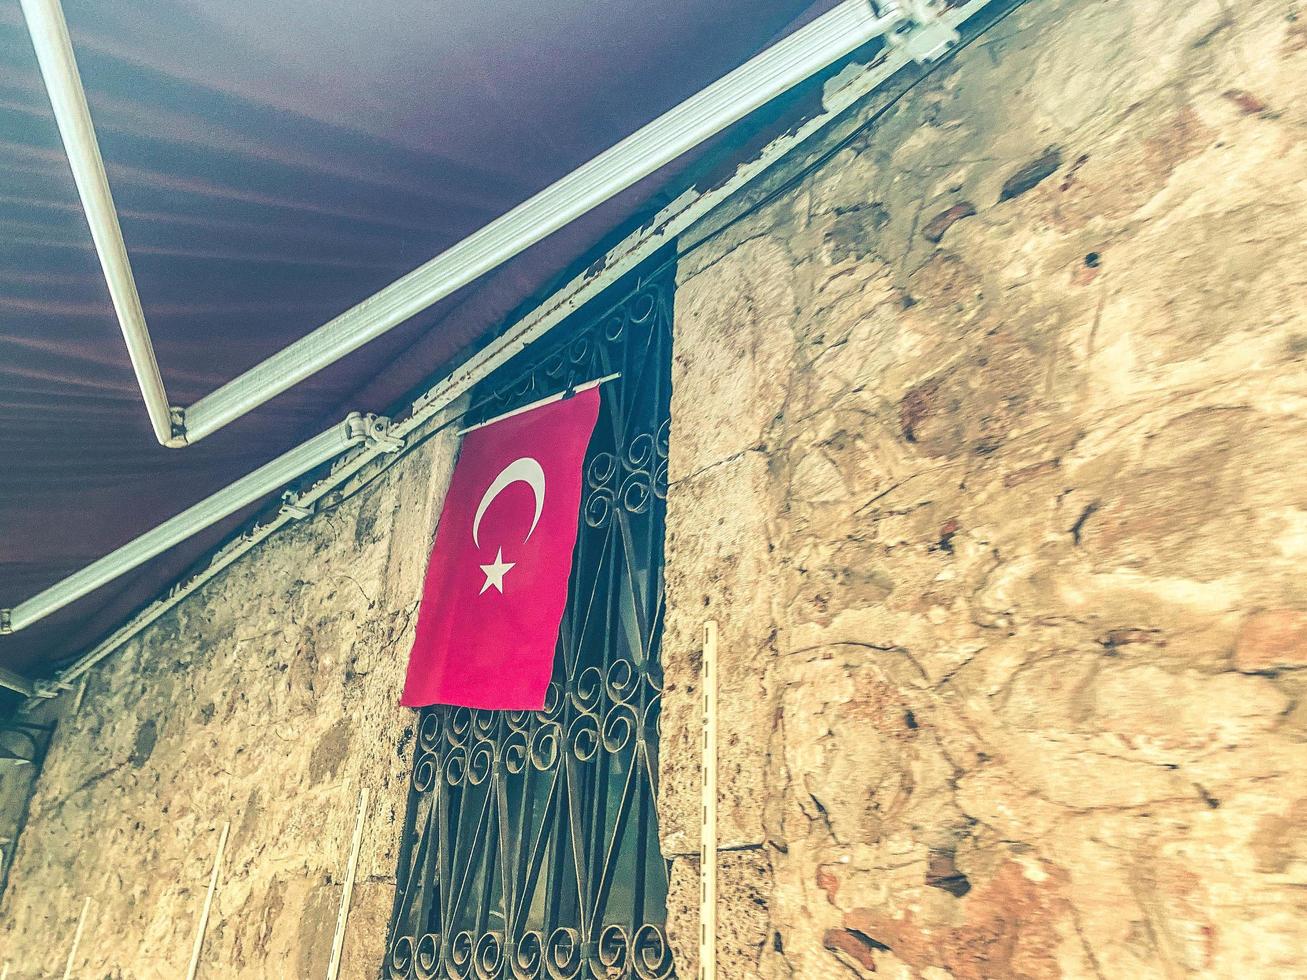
(547, 400)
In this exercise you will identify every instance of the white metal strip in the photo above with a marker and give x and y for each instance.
(708, 829)
(347, 895)
(263, 481)
(203, 924)
(726, 101)
(54, 53)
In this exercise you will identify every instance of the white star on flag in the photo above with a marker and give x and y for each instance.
(495, 573)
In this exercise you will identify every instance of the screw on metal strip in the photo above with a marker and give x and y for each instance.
(379, 435)
(177, 423)
(291, 506)
(920, 33)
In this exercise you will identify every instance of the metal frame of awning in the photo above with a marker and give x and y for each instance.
(916, 29)
(850, 25)
(63, 83)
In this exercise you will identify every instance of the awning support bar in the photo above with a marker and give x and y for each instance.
(17, 683)
(54, 53)
(353, 431)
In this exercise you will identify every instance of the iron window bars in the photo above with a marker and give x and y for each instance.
(531, 846)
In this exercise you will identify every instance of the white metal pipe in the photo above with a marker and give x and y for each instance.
(17, 683)
(198, 946)
(708, 828)
(262, 482)
(703, 115)
(54, 53)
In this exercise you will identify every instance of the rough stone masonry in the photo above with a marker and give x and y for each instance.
(990, 459)
(267, 700)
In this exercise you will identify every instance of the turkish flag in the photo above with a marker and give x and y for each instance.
(497, 582)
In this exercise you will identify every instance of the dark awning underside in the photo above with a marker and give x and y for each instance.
(273, 163)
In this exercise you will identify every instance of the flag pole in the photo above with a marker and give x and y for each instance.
(549, 400)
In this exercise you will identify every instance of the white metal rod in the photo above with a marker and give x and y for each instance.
(77, 938)
(203, 924)
(708, 829)
(726, 101)
(54, 53)
(17, 683)
(338, 942)
(540, 403)
(340, 473)
(246, 490)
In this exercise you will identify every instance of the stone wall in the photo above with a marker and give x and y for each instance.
(987, 459)
(268, 699)
(990, 459)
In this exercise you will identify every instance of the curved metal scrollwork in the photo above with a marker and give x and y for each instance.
(531, 843)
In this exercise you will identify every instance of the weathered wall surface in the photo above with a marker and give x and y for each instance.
(268, 700)
(990, 458)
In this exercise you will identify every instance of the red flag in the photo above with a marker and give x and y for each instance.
(497, 581)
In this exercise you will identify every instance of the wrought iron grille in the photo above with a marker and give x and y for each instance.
(23, 745)
(531, 843)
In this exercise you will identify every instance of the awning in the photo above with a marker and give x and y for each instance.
(272, 164)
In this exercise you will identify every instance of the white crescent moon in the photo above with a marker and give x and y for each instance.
(525, 470)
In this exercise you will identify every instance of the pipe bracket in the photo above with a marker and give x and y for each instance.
(292, 508)
(177, 422)
(379, 435)
(920, 32)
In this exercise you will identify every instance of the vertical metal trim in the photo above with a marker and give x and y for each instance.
(203, 924)
(708, 831)
(342, 917)
(77, 938)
